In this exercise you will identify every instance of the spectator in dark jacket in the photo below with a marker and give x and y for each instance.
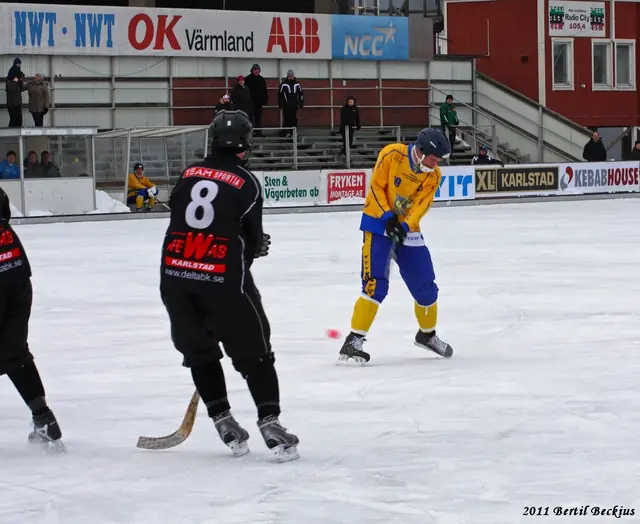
(349, 119)
(14, 88)
(38, 99)
(223, 103)
(32, 168)
(290, 98)
(241, 98)
(259, 95)
(483, 158)
(449, 119)
(49, 169)
(635, 152)
(594, 150)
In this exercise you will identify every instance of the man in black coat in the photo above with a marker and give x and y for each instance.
(594, 150)
(349, 119)
(259, 96)
(290, 98)
(241, 98)
(483, 158)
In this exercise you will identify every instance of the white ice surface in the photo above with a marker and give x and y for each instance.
(540, 405)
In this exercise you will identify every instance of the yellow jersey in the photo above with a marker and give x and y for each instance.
(134, 183)
(398, 187)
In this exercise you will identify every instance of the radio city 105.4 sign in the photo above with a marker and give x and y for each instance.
(78, 30)
(577, 19)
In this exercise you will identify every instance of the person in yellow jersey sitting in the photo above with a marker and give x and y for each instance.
(403, 185)
(140, 190)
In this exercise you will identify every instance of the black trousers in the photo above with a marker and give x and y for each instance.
(452, 135)
(201, 322)
(290, 116)
(15, 116)
(38, 119)
(257, 116)
(15, 310)
(344, 138)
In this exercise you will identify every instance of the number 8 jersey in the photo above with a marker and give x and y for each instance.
(215, 227)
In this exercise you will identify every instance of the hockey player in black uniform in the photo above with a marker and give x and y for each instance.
(214, 234)
(16, 360)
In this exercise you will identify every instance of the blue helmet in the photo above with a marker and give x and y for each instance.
(433, 142)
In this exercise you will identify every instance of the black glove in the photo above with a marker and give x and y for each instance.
(395, 230)
(263, 246)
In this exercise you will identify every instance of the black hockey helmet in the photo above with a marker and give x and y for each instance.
(137, 165)
(230, 131)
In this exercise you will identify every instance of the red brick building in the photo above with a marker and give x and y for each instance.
(577, 58)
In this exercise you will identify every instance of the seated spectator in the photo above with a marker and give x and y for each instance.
(9, 168)
(635, 152)
(32, 168)
(140, 190)
(224, 104)
(49, 169)
(483, 158)
(594, 150)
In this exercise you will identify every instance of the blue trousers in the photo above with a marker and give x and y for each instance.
(131, 198)
(413, 259)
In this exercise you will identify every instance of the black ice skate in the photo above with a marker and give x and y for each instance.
(283, 444)
(432, 342)
(46, 431)
(232, 433)
(351, 351)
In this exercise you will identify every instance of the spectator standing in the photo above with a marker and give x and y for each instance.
(223, 104)
(635, 152)
(259, 95)
(449, 119)
(14, 88)
(483, 158)
(290, 99)
(349, 119)
(594, 150)
(9, 168)
(49, 169)
(38, 99)
(241, 98)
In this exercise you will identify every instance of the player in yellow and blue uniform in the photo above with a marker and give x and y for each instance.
(140, 189)
(403, 186)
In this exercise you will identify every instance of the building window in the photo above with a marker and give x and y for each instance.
(625, 64)
(601, 64)
(562, 63)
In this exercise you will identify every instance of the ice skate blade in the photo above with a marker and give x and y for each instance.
(49, 447)
(286, 454)
(239, 449)
(346, 360)
(447, 355)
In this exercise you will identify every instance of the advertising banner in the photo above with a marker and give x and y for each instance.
(457, 184)
(605, 177)
(346, 186)
(293, 188)
(516, 180)
(77, 30)
(369, 37)
(576, 19)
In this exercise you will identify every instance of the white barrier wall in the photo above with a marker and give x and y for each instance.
(349, 186)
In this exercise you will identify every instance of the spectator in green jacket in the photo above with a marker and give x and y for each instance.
(449, 119)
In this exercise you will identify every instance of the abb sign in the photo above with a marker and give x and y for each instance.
(301, 35)
(346, 184)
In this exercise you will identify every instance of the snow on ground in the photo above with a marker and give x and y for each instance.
(539, 406)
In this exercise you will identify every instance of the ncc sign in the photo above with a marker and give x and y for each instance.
(77, 30)
(370, 37)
